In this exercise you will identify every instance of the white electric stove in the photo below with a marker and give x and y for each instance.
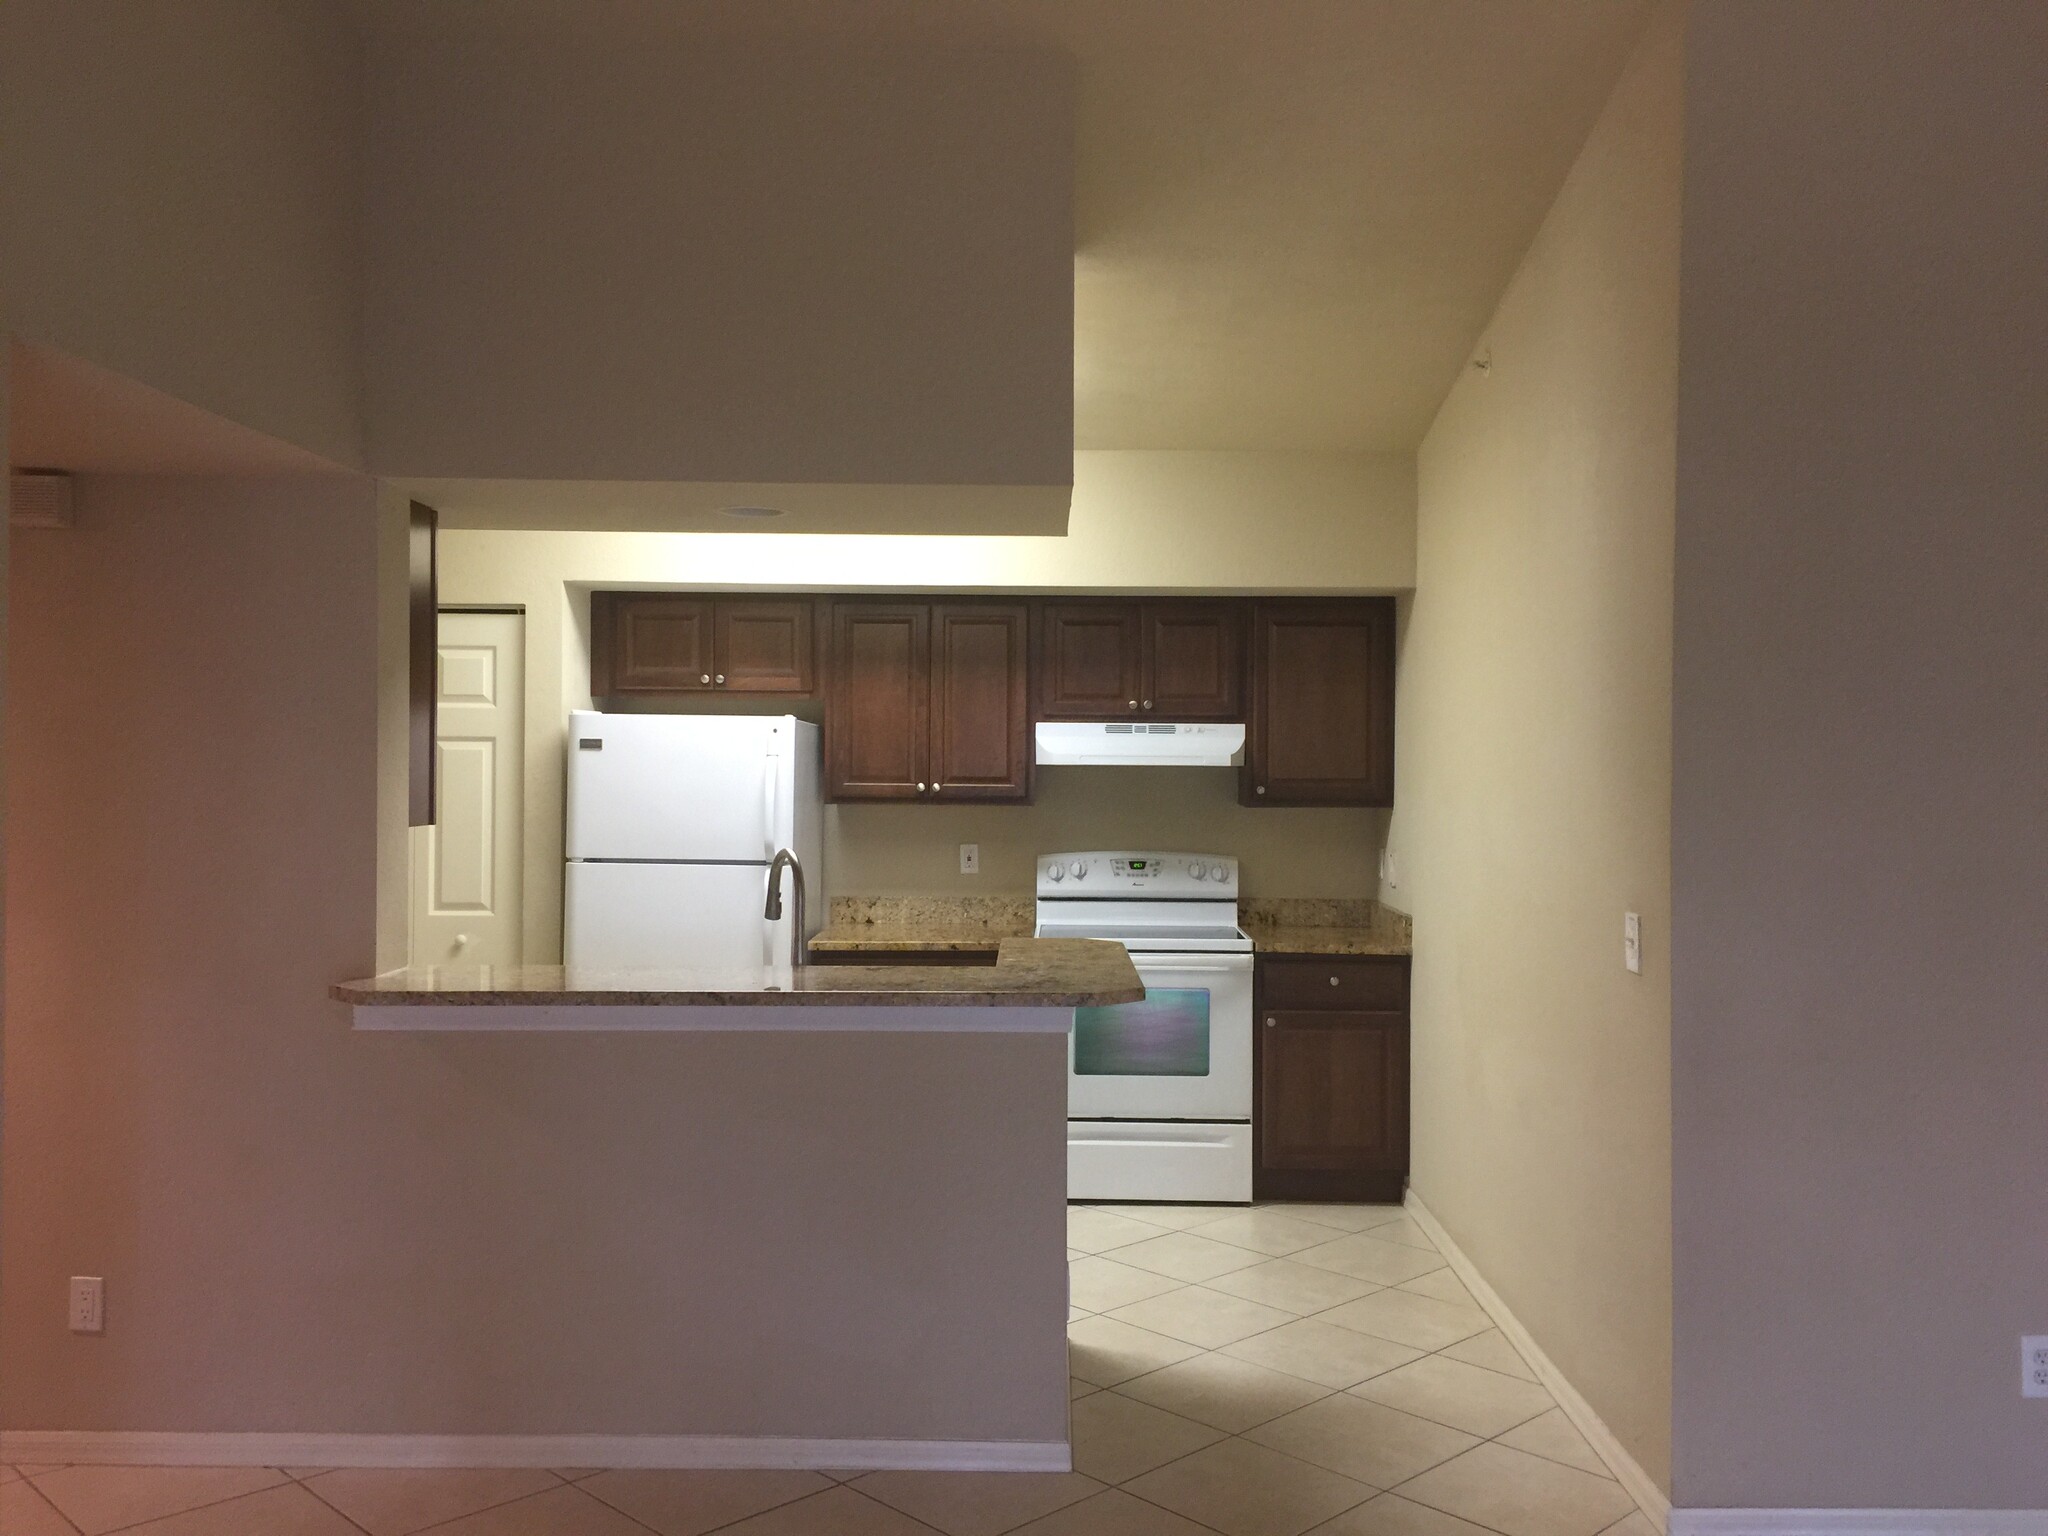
(1159, 1100)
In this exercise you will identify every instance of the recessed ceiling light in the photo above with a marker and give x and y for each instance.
(752, 514)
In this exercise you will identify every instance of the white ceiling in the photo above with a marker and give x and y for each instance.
(1294, 216)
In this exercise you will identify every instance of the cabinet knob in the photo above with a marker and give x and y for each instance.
(1333, 981)
(721, 679)
(920, 786)
(1270, 1023)
(705, 678)
(1260, 790)
(1148, 703)
(1134, 704)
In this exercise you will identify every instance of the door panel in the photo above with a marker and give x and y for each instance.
(466, 866)
(670, 786)
(654, 642)
(1089, 664)
(629, 917)
(877, 744)
(1322, 715)
(1193, 661)
(1184, 1053)
(762, 645)
(980, 715)
(1333, 1091)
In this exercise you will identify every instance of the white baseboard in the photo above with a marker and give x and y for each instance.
(1627, 1470)
(1859, 1522)
(144, 1448)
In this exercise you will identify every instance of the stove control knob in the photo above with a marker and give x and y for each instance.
(1055, 872)
(1078, 870)
(1197, 869)
(1219, 873)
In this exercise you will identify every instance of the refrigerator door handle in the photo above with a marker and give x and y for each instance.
(769, 794)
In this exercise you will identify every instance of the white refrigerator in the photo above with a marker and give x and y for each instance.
(672, 821)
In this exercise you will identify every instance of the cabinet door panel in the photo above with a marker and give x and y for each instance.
(1193, 661)
(1333, 1092)
(1089, 663)
(876, 721)
(655, 642)
(763, 645)
(1322, 715)
(981, 728)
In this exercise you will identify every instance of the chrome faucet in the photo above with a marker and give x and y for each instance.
(799, 946)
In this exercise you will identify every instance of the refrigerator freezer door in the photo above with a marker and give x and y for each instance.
(636, 917)
(698, 787)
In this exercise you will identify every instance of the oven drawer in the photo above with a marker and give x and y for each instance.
(1349, 982)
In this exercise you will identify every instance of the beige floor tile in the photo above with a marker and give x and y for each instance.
(302, 1473)
(1468, 1397)
(395, 1501)
(1223, 1391)
(1322, 1352)
(846, 1474)
(1076, 1390)
(1555, 1437)
(1392, 1515)
(1187, 1256)
(1116, 1438)
(1096, 1284)
(1297, 1288)
(1443, 1284)
(680, 1503)
(977, 1503)
(836, 1512)
(1492, 1350)
(1520, 1495)
(574, 1474)
(1104, 1351)
(1402, 1229)
(1244, 1489)
(1406, 1318)
(8, 1475)
(1374, 1444)
(24, 1512)
(1633, 1524)
(563, 1510)
(1202, 1316)
(35, 1468)
(1270, 1232)
(1345, 1218)
(1364, 1257)
(1113, 1513)
(285, 1510)
(99, 1499)
(1175, 1218)
(1075, 1314)
(1093, 1231)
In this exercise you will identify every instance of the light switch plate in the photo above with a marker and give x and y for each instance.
(970, 858)
(1632, 941)
(2034, 1365)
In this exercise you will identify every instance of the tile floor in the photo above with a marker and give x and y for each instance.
(1261, 1372)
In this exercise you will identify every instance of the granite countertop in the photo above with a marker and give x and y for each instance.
(936, 925)
(1028, 973)
(1325, 926)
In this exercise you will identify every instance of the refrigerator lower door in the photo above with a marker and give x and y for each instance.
(636, 917)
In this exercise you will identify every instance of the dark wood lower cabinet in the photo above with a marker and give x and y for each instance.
(1331, 1078)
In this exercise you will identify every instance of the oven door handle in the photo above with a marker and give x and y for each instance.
(1178, 969)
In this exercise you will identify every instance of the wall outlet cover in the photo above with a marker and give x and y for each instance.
(1632, 941)
(970, 858)
(88, 1311)
(2034, 1365)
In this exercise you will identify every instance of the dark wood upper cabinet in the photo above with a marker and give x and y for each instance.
(1321, 722)
(1165, 659)
(980, 706)
(877, 702)
(1090, 660)
(651, 643)
(763, 645)
(1194, 661)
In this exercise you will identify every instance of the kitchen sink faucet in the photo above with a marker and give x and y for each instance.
(799, 947)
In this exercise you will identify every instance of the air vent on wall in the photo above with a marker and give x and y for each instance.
(39, 498)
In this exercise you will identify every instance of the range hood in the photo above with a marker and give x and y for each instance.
(1141, 744)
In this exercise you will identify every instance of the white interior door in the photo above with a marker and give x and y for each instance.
(466, 869)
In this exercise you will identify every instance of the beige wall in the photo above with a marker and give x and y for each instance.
(1860, 819)
(183, 184)
(306, 1229)
(1156, 522)
(654, 252)
(1535, 771)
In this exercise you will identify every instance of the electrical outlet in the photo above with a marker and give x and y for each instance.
(1632, 941)
(88, 1304)
(2034, 1365)
(970, 858)
(1387, 867)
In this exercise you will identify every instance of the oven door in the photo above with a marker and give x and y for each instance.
(1184, 1053)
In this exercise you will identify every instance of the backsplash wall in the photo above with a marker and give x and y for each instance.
(905, 850)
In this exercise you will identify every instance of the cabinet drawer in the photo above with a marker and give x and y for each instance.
(1334, 981)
